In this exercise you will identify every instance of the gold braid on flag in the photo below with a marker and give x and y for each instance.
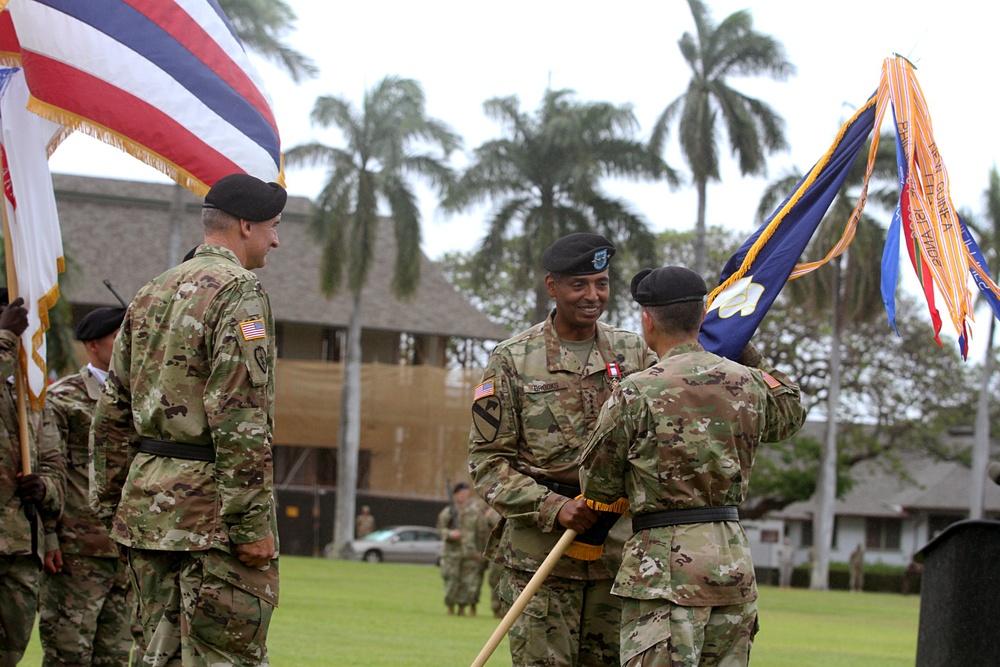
(792, 201)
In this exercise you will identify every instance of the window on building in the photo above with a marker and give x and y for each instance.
(807, 533)
(883, 533)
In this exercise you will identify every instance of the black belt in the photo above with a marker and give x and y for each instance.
(568, 490)
(177, 450)
(678, 517)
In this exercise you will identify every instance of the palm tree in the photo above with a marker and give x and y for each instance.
(715, 53)
(544, 177)
(989, 240)
(261, 25)
(383, 139)
(849, 292)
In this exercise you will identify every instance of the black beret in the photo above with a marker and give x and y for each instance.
(247, 197)
(578, 255)
(99, 322)
(459, 487)
(666, 285)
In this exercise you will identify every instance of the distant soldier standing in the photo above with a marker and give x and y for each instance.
(364, 523)
(20, 567)
(857, 569)
(464, 532)
(84, 617)
(181, 440)
(679, 441)
(532, 413)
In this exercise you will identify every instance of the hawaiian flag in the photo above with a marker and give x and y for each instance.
(165, 80)
(34, 244)
(941, 249)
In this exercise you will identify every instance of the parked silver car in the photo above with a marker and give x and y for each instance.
(398, 544)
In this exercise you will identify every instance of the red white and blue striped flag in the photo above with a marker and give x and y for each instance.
(165, 80)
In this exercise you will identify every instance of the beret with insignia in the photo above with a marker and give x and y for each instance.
(99, 322)
(666, 285)
(247, 197)
(578, 255)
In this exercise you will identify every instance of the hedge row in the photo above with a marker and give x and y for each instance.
(879, 578)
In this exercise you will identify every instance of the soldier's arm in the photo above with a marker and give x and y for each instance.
(493, 454)
(8, 353)
(604, 458)
(112, 434)
(52, 468)
(784, 414)
(237, 405)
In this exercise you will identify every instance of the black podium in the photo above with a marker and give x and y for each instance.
(960, 596)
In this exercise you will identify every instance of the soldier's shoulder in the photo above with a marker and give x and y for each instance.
(66, 385)
(519, 340)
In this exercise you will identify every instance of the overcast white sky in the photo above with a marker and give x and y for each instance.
(466, 52)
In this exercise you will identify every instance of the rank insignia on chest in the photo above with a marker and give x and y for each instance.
(614, 373)
(252, 329)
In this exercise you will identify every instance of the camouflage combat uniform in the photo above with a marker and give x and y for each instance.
(540, 409)
(462, 558)
(20, 569)
(683, 435)
(193, 364)
(85, 610)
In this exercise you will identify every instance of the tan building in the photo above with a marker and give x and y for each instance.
(416, 390)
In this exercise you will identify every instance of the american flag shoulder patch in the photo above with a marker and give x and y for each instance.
(252, 329)
(771, 382)
(483, 390)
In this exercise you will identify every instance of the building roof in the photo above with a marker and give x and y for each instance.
(922, 484)
(122, 231)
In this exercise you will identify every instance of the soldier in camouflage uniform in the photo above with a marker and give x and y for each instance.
(464, 532)
(44, 487)
(679, 441)
(84, 608)
(532, 413)
(181, 440)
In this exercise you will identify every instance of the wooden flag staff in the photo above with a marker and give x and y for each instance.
(24, 436)
(522, 600)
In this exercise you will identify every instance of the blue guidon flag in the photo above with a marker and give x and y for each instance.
(753, 277)
(164, 80)
(943, 252)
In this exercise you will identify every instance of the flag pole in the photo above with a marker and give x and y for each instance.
(522, 600)
(19, 379)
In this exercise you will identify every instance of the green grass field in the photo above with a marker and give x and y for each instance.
(345, 614)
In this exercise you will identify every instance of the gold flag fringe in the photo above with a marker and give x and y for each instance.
(109, 136)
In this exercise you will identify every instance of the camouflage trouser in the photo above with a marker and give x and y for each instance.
(568, 623)
(493, 573)
(19, 577)
(463, 580)
(84, 613)
(657, 633)
(192, 617)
